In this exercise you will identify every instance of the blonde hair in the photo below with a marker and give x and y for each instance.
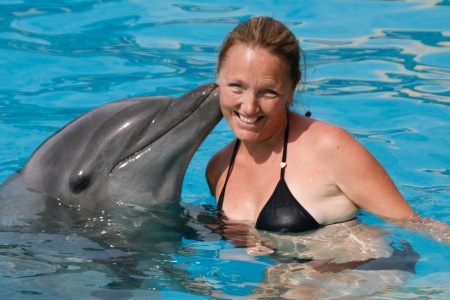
(268, 34)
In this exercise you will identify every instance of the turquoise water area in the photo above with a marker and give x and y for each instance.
(378, 68)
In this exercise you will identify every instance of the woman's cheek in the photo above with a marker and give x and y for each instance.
(227, 100)
(224, 106)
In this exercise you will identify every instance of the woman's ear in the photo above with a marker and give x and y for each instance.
(298, 79)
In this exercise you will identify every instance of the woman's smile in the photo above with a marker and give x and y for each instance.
(254, 91)
(248, 120)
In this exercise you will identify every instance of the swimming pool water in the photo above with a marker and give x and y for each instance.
(380, 69)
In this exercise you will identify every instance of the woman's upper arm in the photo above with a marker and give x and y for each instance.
(363, 179)
(215, 169)
(211, 174)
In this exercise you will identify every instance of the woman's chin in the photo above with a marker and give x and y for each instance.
(246, 135)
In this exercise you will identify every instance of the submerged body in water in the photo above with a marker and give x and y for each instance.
(340, 260)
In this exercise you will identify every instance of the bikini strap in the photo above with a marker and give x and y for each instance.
(283, 160)
(286, 137)
(230, 168)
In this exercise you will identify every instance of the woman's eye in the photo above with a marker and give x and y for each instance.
(270, 93)
(235, 87)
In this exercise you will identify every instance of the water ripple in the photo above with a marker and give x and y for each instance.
(387, 68)
(385, 79)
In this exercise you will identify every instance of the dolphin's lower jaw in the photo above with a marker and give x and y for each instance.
(134, 151)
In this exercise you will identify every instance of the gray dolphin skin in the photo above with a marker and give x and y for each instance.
(133, 151)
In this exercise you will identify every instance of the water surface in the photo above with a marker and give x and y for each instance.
(380, 69)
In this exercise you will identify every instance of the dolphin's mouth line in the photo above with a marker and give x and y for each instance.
(137, 154)
(132, 157)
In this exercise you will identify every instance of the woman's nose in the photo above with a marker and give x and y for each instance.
(250, 104)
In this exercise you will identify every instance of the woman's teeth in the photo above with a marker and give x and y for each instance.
(248, 120)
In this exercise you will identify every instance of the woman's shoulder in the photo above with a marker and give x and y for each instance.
(335, 148)
(322, 135)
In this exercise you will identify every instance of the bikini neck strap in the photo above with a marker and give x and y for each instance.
(286, 137)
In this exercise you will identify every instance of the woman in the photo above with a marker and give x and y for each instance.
(285, 171)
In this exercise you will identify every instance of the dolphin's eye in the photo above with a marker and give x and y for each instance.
(80, 184)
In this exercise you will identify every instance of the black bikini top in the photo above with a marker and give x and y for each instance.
(282, 211)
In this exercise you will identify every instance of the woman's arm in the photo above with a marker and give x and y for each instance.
(367, 184)
(216, 168)
(429, 228)
(363, 179)
(212, 174)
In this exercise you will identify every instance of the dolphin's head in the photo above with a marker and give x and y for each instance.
(132, 151)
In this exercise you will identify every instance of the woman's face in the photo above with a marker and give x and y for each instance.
(255, 88)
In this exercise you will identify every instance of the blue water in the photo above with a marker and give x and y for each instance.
(380, 69)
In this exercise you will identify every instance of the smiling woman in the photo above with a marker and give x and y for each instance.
(326, 176)
(385, 80)
(255, 90)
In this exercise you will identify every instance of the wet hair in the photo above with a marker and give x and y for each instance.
(268, 34)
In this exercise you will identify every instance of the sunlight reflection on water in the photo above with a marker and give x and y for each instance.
(386, 80)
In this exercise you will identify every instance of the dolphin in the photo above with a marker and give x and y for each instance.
(128, 152)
